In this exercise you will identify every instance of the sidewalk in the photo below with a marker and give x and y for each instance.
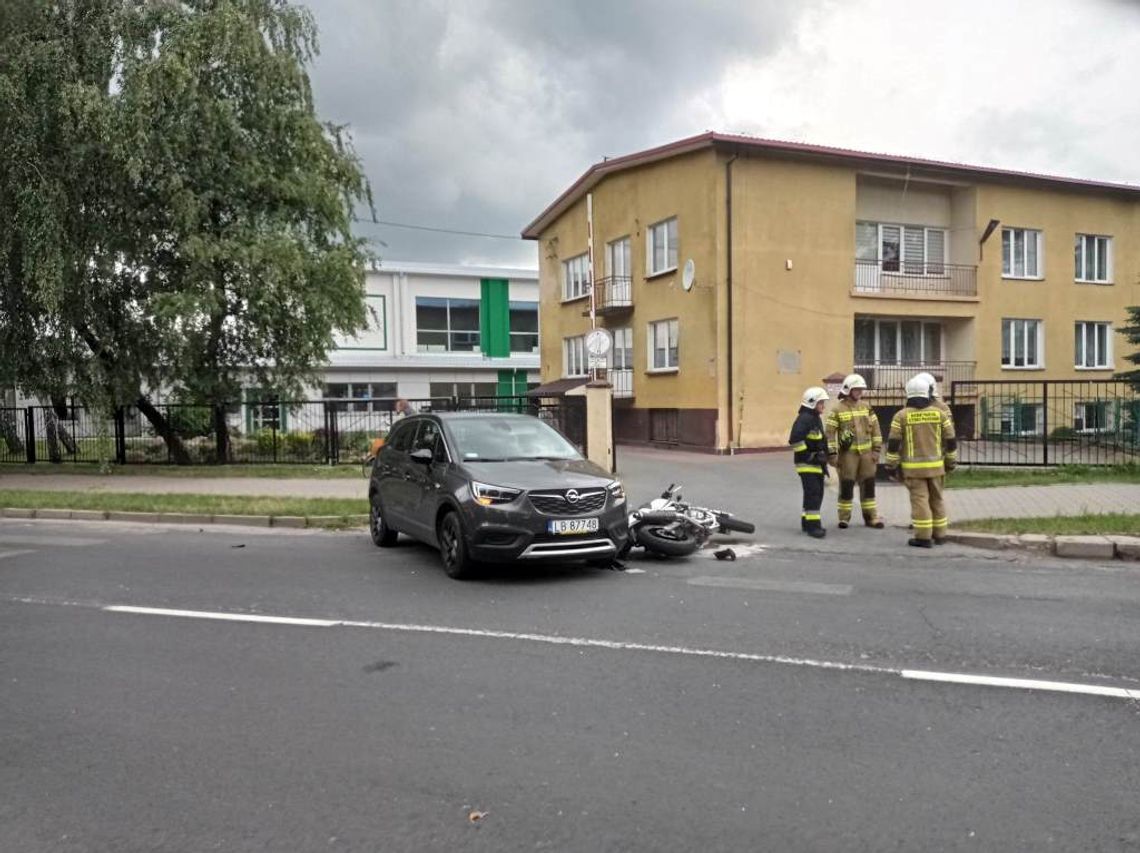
(762, 488)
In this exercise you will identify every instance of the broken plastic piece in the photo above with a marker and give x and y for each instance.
(725, 554)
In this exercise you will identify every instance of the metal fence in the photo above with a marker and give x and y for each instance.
(915, 277)
(1046, 422)
(330, 431)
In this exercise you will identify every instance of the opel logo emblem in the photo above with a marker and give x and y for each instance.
(572, 496)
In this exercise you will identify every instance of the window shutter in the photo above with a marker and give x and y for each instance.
(913, 251)
(935, 251)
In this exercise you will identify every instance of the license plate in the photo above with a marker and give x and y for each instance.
(572, 526)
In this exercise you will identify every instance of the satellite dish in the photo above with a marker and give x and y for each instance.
(689, 275)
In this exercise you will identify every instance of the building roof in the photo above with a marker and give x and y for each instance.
(916, 167)
(454, 270)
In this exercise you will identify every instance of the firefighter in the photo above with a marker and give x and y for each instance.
(922, 447)
(854, 442)
(809, 448)
(935, 399)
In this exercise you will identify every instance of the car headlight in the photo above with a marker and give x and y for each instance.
(617, 492)
(486, 495)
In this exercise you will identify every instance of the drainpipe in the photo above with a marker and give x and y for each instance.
(728, 284)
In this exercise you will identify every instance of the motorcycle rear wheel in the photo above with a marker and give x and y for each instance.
(728, 522)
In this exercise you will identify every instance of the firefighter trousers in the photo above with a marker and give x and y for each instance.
(813, 500)
(857, 468)
(927, 507)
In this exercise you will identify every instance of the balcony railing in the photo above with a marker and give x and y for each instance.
(622, 380)
(915, 278)
(892, 378)
(612, 295)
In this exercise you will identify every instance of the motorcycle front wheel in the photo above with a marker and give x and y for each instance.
(668, 542)
(730, 523)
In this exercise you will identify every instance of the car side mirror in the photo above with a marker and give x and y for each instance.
(423, 456)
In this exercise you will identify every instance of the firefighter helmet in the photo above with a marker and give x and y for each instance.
(813, 396)
(852, 382)
(918, 386)
(929, 380)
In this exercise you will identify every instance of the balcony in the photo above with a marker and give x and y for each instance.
(612, 295)
(915, 279)
(890, 379)
(622, 380)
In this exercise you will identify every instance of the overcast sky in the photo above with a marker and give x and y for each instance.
(474, 115)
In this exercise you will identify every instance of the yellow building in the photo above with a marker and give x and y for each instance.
(811, 262)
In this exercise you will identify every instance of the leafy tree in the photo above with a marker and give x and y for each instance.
(183, 220)
(1131, 333)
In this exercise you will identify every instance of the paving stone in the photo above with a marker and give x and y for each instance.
(144, 517)
(993, 541)
(15, 512)
(1088, 547)
(288, 520)
(1127, 547)
(243, 520)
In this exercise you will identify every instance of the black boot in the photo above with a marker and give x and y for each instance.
(920, 543)
(817, 533)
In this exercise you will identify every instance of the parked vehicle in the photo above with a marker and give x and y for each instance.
(493, 488)
(672, 528)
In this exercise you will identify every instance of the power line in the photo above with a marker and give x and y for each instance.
(439, 230)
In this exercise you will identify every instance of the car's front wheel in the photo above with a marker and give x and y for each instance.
(383, 536)
(453, 547)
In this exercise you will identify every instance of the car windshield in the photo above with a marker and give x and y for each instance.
(508, 439)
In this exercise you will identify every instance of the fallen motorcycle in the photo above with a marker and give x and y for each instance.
(672, 528)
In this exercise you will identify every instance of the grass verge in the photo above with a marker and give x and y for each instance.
(1125, 524)
(336, 510)
(344, 471)
(984, 478)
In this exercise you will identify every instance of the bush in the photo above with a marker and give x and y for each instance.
(1063, 433)
(191, 421)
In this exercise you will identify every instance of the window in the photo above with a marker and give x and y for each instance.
(621, 355)
(910, 249)
(1092, 258)
(575, 277)
(400, 438)
(1022, 419)
(1020, 253)
(662, 246)
(663, 345)
(365, 396)
(1092, 346)
(1094, 416)
(524, 326)
(620, 269)
(426, 436)
(913, 342)
(447, 325)
(462, 390)
(1021, 344)
(574, 356)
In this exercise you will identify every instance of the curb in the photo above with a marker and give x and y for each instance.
(1080, 547)
(289, 521)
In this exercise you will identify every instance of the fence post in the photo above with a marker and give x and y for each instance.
(120, 436)
(1044, 423)
(30, 434)
(220, 434)
(332, 437)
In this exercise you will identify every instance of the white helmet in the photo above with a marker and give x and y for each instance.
(918, 386)
(813, 396)
(851, 382)
(929, 380)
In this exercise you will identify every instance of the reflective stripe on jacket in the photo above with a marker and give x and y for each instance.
(807, 441)
(853, 427)
(921, 440)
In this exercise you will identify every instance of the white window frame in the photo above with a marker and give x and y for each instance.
(1026, 235)
(622, 343)
(1079, 415)
(1080, 270)
(576, 277)
(936, 269)
(619, 267)
(1024, 335)
(672, 329)
(899, 360)
(671, 253)
(574, 360)
(1007, 413)
(1103, 360)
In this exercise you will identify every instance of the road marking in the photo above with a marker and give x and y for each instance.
(224, 617)
(614, 645)
(4, 554)
(1022, 683)
(771, 585)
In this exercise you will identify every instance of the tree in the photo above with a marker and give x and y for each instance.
(1131, 333)
(198, 226)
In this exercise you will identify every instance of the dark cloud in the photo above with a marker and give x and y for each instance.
(475, 115)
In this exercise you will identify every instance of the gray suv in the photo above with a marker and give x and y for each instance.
(494, 488)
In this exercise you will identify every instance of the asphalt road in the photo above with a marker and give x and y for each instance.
(773, 703)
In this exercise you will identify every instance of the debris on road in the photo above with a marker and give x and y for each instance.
(725, 554)
(475, 816)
